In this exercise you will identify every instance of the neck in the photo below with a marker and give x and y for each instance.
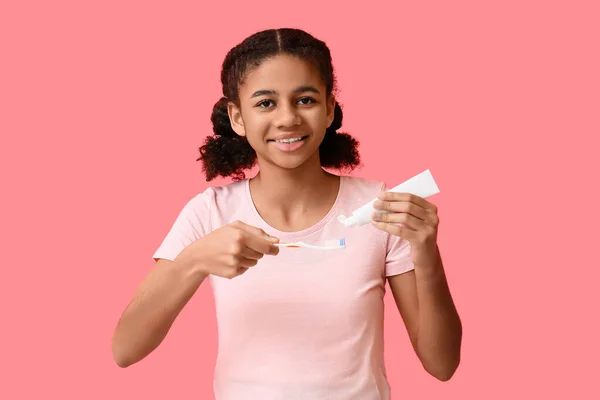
(293, 191)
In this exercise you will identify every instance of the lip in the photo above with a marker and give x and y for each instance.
(291, 135)
(289, 147)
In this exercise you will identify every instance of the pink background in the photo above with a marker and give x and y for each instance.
(103, 107)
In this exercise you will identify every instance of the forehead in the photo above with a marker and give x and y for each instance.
(283, 73)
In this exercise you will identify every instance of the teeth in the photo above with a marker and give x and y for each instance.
(288, 140)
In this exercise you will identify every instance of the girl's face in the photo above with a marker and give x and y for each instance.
(284, 112)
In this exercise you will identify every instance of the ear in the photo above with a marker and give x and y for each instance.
(330, 110)
(235, 117)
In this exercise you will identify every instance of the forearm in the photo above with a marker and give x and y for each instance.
(440, 329)
(155, 306)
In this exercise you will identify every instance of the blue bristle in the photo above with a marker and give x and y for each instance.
(343, 242)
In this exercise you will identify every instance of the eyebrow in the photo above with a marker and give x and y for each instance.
(301, 89)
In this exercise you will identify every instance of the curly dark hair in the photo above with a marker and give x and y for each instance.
(228, 154)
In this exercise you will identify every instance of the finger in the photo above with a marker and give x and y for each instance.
(247, 262)
(405, 219)
(250, 254)
(238, 261)
(259, 244)
(418, 200)
(396, 230)
(401, 206)
(232, 272)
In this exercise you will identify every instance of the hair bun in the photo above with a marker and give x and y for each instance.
(220, 119)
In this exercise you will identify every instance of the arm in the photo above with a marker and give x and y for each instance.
(157, 302)
(432, 322)
(227, 252)
(422, 295)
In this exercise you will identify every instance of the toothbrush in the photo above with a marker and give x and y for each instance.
(329, 245)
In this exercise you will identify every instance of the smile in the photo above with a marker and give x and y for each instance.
(292, 140)
(289, 144)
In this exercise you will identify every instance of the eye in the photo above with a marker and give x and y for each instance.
(306, 101)
(265, 103)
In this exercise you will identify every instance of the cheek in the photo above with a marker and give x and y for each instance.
(318, 120)
(256, 128)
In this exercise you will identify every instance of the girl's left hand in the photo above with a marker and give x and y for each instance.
(412, 218)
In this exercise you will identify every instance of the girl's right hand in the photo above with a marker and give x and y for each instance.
(230, 250)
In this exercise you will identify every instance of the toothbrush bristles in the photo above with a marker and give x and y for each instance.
(336, 243)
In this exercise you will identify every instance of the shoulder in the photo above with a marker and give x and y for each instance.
(232, 190)
(202, 209)
(215, 196)
(360, 184)
(361, 190)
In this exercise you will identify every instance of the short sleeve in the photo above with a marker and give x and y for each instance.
(397, 259)
(192, 223)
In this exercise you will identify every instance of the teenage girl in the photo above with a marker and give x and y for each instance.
(294, 323)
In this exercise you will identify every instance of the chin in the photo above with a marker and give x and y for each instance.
(292, 160)
(290, 163)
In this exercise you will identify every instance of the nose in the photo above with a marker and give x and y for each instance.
(287, 116)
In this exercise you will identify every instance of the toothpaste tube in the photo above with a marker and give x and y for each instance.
(422, 185)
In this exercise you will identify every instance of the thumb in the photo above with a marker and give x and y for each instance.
(267, 237)
(272, 238)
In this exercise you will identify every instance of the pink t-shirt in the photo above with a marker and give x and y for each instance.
(305, 324)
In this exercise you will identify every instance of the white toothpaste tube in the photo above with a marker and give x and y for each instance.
(422, 185)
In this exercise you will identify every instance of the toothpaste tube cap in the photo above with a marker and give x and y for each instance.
(348, 221)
